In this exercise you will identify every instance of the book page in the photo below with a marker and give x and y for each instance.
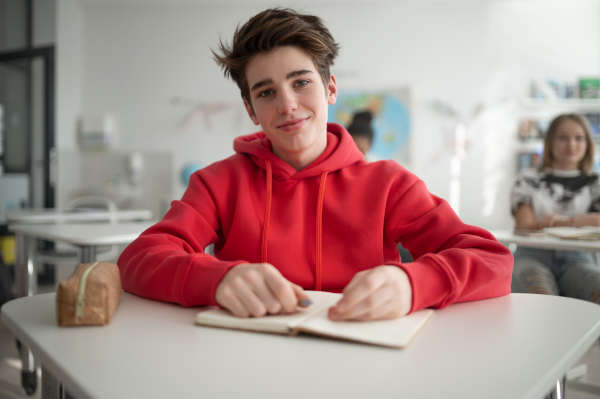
(529, 233)
(282, 324)
(395, 333)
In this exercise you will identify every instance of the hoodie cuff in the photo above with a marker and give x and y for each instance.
(429, 285)
(202, 281)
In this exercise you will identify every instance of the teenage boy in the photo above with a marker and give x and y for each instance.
(297, 207)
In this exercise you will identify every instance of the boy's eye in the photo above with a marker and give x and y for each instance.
(265, 93)
(301, 82)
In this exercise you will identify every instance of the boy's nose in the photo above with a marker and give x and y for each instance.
(287, 102)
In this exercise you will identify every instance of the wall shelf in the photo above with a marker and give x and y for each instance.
(560, 103)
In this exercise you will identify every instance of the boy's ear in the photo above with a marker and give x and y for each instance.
(331, 90)
(250, 112)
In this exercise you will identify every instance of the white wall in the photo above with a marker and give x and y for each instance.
(69, 76)
(136, 60)
(69, 70)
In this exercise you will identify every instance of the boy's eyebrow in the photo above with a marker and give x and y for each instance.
(293, 74)
(290, 75)
(261, 83)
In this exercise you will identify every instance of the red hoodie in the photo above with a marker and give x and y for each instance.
(319, 226)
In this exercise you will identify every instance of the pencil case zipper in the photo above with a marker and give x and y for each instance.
(80, 301)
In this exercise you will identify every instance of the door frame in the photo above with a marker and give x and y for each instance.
(47, 54)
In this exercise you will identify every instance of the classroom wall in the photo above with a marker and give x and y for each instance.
(150, 67)
(69, 71)
(69, 94)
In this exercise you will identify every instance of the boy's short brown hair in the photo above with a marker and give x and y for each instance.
(273, 28)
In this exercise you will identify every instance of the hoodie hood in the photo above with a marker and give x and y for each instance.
(340, 152)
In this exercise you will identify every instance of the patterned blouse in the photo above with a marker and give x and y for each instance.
(556, 192)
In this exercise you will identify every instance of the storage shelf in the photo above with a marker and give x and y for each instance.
(562, 103)
(530, 145)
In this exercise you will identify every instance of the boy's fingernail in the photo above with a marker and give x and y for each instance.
(304, 302)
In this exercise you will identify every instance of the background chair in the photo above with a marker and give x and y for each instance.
(5, 283)
(63, 254)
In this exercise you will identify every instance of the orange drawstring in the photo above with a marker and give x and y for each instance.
(265, 232)
(319, 248)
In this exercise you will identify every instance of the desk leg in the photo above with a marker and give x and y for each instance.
(559, 391)
(26, 279)
(88, 254)
(26, 273)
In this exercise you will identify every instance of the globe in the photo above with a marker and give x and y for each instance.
(187, 170)
(391, 120)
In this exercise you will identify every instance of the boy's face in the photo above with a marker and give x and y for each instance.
(290, 103)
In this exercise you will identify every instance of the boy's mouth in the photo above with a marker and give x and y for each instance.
(293, 124)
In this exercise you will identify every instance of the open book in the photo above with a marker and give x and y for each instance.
(575, 233)
(529, 233)
(396, 333)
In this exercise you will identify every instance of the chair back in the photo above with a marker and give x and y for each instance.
(95, 202)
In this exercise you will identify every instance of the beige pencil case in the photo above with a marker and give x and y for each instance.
(89, 296)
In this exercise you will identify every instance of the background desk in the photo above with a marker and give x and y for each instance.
(76, 215)
(87, 236)
(515, 347)
(546, 242)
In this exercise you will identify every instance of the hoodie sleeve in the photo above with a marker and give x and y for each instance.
(454, 262)
(167, 262)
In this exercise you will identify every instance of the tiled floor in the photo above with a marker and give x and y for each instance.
(10, 362)
(592, 359)
(10, 368)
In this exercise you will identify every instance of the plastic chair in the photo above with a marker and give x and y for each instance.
(5, 283)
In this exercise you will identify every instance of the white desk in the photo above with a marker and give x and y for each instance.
(554, 243)
(50, 224)
(516, 347)
(85, 235)
(76, 215)
(546, 242)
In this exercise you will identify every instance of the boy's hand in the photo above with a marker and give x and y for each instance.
(257, 289)
(383, 292)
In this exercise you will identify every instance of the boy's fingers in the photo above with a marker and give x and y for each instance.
(303, 298)
(245, 290)
(358, 290)
(282, 291)
(381, 304)
(270, 301)
(242, 302)
(235, 306)
(380, 293)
